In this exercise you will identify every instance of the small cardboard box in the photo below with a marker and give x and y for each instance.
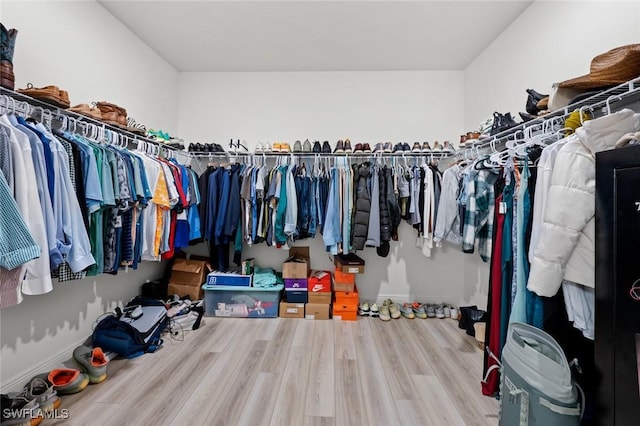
(317, 311)
(320, 281)
(182, 290)
(297, 296)
(321, 297)
(291, 310)
(229, 278)
(189, 272)
(297, 264)
(349, 263)
(295, 284)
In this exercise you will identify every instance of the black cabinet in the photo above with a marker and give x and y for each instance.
(617, 334)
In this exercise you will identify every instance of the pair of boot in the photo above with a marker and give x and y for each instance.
(7, 47)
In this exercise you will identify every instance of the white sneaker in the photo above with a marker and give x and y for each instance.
(440, 311)
(266, 147)
(454, 312)
(364, 310)
(374, 310)
(259, 148)
(447, 311)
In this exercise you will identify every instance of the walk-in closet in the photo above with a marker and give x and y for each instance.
(319, 212)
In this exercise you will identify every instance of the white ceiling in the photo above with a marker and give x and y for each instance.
(317, 35)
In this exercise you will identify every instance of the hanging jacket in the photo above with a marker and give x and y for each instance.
(362, 209)
(392, 205)
(566, 248)
(373, 235)
(385, 220)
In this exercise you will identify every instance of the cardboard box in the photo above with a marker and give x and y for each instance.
(344, 277)
(343, 287)
(297, 264)
(299, 284)
(317, 311)
(344, 313)
(229, 278)
(291, 310)
(319, 281)
(297, 296)
(322, 297)
(349, 263)
(182, 290)
(189, 272)
(347, 298)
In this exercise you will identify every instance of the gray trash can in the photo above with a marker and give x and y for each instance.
(536, 387)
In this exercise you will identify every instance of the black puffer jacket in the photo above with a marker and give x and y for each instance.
(362, 208)
(385, 221)
(392, 205)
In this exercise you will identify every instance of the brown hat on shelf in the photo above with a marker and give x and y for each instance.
(611, 68)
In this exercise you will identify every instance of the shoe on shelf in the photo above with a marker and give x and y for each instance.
(339, 147)
(285, 147)
(431, 310)
(374, 311)
(358, 149)
(437, 148)
(267, 148)
(306, 146)
(317, 148)
(259, 148)
(297, 146)
(86, 110)
(416, 147)
(366, 148)
(364, 310)
(407, 311)
(440, 311)
(463, 142)
(385, 315)
(394, 309)
(378, 147)
(448, 147)
(347, 146)
(406, 147)
(92, 362)
(397, 147)
(276, 147)
(387, 147)
(68, 380)
(326, 147)
(419, 310)
(426, 147)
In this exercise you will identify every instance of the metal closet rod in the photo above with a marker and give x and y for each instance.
(57, 112)
(315, 155)
(599, 102)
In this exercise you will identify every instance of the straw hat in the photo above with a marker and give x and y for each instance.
(609, 69)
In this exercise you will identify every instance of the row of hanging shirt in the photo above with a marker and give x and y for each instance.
(88, 207)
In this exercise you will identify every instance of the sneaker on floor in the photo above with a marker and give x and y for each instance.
(455, 313)
(431, 310)
(419, 310)
(440, 311)
(407, 311)
(40, 389)
(18, 409)
(394, 309)
(385, 315)
(447, 310)
(92, 362)
(68, 380)
(374, 311)
(364, 310)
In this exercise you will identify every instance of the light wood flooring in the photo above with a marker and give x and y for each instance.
(296, 372)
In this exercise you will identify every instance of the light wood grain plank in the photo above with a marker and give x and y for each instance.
(378, 400)
(389, 348)
(413, 412)
(228, 331)
(350, 406)
(321, 392)
(260, 403)
(292, 393)
(277, 352)
(439, 407)
(304, 333)
(319, 421)
(344, 344)
(268, 327)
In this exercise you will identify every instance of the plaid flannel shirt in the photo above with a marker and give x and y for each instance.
(479, 216)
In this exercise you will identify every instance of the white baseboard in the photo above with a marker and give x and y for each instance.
(397, 298)
(17, 383)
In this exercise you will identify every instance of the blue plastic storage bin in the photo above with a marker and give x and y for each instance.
(241, 302)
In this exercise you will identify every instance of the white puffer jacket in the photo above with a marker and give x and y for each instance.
(566, 249)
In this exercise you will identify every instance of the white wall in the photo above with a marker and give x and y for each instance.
(365, 107)
(81, 48)
(549, 42)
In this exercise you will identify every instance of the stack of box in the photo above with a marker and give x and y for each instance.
(295, 270)
(187, 277)
(346, 299)
(319, 296)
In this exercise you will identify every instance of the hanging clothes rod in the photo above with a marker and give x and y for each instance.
(598, 104)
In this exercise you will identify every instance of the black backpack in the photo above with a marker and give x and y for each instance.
(114, 333)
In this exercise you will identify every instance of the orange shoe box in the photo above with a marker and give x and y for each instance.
(343, 277)
(347, 298)
(345, 313)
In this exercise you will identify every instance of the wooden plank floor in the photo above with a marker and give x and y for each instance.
(296, 372)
